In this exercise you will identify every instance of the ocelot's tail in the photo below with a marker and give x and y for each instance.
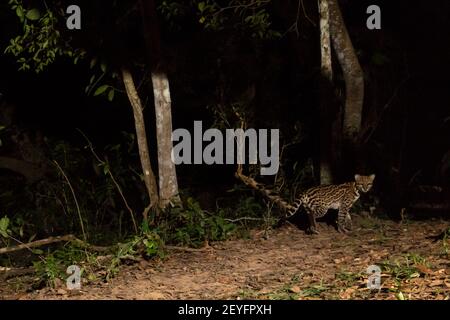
(294, 208)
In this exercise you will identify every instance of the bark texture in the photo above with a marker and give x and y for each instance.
(353, 75)
(326, 174)
(168, 185)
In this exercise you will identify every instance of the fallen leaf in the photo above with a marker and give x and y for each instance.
(436, 283)
(295, 289)
(424, 269)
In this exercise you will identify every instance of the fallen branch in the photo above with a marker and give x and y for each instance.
(280, 202)
(37, 243)
(50, 240)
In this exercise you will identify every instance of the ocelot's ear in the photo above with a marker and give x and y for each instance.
(357, 177)
(372, 177)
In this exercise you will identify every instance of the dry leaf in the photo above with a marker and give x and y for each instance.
(436, 283)
(424, 269)
(295, 289)
(347, 294)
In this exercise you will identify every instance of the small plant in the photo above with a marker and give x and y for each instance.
(348, 278)
(193, 226)
(406, 269)
(314, 290)
(53, 266)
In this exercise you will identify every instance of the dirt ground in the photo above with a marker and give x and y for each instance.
(288, 264)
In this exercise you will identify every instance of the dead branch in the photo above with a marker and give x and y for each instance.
(50, 240)
(37, 243)
(250, 182)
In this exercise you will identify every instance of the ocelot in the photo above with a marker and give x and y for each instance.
(318, 200)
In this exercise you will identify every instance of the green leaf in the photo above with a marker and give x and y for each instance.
(103, 67)
(19, 12)
(201, 6)
(101, 90)
(4, 223)
(33, 14)
(111, 95)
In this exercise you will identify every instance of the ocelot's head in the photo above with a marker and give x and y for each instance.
(364, 183)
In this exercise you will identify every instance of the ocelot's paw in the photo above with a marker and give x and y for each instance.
(343, 229)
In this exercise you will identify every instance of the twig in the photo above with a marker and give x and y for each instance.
(74, 198)
(306, 15)
(119, 189)
(188, 249)
(251, 5)
(243, 218)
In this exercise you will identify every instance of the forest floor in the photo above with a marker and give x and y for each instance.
(287, 264)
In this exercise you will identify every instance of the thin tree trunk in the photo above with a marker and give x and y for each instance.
(168, 185)
(353, 75)
(141, 135)
(326, 176)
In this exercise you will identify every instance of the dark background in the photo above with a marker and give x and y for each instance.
(411, 75)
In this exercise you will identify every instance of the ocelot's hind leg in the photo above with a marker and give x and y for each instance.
(312, 214)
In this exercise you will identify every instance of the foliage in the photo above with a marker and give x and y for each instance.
(405, 268)
(148, 244)
(41, 42)
(248, 16)
(52, 266)
(4, 227)
(193, 226)
(96, 86)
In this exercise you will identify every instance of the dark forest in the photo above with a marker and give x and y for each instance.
(209, 149)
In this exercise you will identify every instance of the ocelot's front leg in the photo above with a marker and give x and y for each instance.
(344, 221)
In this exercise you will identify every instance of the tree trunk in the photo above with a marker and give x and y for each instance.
(353, 75)
(168, 185)
(141, 135)
(326, 176)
